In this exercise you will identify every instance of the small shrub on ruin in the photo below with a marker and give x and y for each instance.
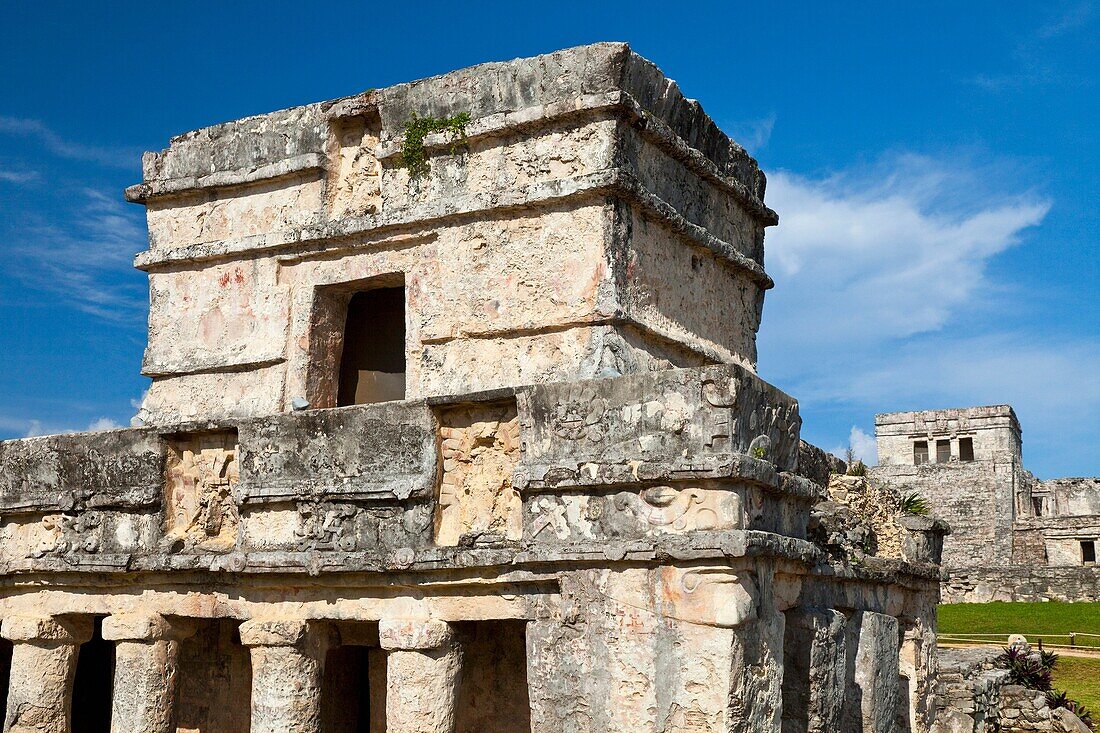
(858, 468)
(413, 156)
(914, 504)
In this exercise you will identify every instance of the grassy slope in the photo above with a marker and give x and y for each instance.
(1078, 676)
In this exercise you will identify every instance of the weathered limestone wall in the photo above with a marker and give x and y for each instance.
(575, 234)
(1073, 496)
(977, 499)
(1022, 583)
(968, 691)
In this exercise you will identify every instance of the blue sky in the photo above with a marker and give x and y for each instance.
(934, 166)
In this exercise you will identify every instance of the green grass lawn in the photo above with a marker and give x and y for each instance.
(1048, 621)
(1078, 676)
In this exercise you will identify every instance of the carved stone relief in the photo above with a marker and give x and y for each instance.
(480, 448)
(200, 513)
(354, 185)
(70, 533)
(713, 596)
(326, 526)
(654, 510)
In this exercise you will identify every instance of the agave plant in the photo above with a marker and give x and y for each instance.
(914, 504)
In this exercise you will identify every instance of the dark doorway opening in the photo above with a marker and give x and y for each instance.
(943, 451)
(94, 684)
(966, 449)
(214, 689)
(492, 696)
(1088, 552)
(372, 365)
(920, 453)
(353, 694)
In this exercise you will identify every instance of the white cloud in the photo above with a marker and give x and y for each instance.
(35, 428)
(57, 145)
(862, 445)
(884, 253)
(103, 423)
(883, 303)
(754, 135)
(137, 402)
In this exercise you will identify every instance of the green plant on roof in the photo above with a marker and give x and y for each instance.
(413, 156)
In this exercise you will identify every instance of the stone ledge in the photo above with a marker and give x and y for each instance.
(532, 555)
(413, 634)
(293, 167)
(144, 627)
(431, 214)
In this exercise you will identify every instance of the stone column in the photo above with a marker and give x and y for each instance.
(43, 666)
(422, 670)
(874, 693)
(287, 670)
(146, 652)
(814, 663)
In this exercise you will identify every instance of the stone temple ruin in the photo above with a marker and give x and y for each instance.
(470, 445)
(1015, 538)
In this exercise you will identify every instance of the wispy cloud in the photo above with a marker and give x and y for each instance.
(59, 146)
(36, 428)
(85, 259)
(17, 177)
(1049, 379)
(893, 250)
(1075, 16)
(1033, 64)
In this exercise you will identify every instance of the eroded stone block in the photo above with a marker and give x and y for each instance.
(200, 511)
(480, 448)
